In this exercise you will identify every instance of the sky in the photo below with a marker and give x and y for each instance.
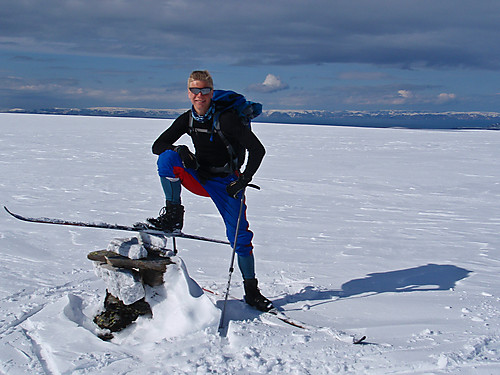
(334, 55)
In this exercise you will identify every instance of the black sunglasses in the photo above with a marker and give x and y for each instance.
(204, 90)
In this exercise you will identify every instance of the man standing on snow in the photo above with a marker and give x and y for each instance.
(211, 172)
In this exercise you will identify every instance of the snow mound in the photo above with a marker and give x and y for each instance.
(56, 330)
(179, 308)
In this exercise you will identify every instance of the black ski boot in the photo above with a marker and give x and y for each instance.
(170, 219)
(254, 298)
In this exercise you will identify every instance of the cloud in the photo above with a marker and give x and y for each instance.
(389, 96)
(37, 93)
(272, 83)
(405, 94)
(382, 47)
(425, 33)
(445, 97)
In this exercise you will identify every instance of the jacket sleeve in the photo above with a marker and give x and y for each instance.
(244, 135)
(167, 139)
(256, 152)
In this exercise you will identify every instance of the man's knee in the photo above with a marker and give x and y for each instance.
(245, 251)
(167, 160)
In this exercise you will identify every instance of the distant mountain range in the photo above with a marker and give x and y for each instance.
(380, 119)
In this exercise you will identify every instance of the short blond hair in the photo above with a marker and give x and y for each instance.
(201, 75)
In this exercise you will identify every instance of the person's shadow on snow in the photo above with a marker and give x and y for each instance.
(430, 277)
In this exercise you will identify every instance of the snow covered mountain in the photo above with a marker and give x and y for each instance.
(389, 233)
(382, 119)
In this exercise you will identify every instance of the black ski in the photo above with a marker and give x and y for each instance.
(339, 335)
(140, 227)
(280, 315)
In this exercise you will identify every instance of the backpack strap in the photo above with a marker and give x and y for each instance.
(233, 156)
(232, 165)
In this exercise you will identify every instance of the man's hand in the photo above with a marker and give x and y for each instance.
(187, 157)
(238, 185)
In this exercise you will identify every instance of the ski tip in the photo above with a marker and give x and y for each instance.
(13, 214)
(6, 209)
(359, 340)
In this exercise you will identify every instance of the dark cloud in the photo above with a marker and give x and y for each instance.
(332, 54)
(284, 32)
(50, 92)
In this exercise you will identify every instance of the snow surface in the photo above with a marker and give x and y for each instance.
(390, 233)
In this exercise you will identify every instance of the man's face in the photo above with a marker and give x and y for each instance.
(201, 103)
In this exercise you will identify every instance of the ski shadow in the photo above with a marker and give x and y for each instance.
(430, 277)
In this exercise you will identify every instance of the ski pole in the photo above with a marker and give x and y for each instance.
(231, 266)
(175, 245)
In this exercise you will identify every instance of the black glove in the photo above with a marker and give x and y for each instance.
(187, 157)
(238, 185)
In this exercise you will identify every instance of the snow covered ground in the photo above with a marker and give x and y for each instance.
(388, 233)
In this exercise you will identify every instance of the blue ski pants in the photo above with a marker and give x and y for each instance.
(170, 167)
